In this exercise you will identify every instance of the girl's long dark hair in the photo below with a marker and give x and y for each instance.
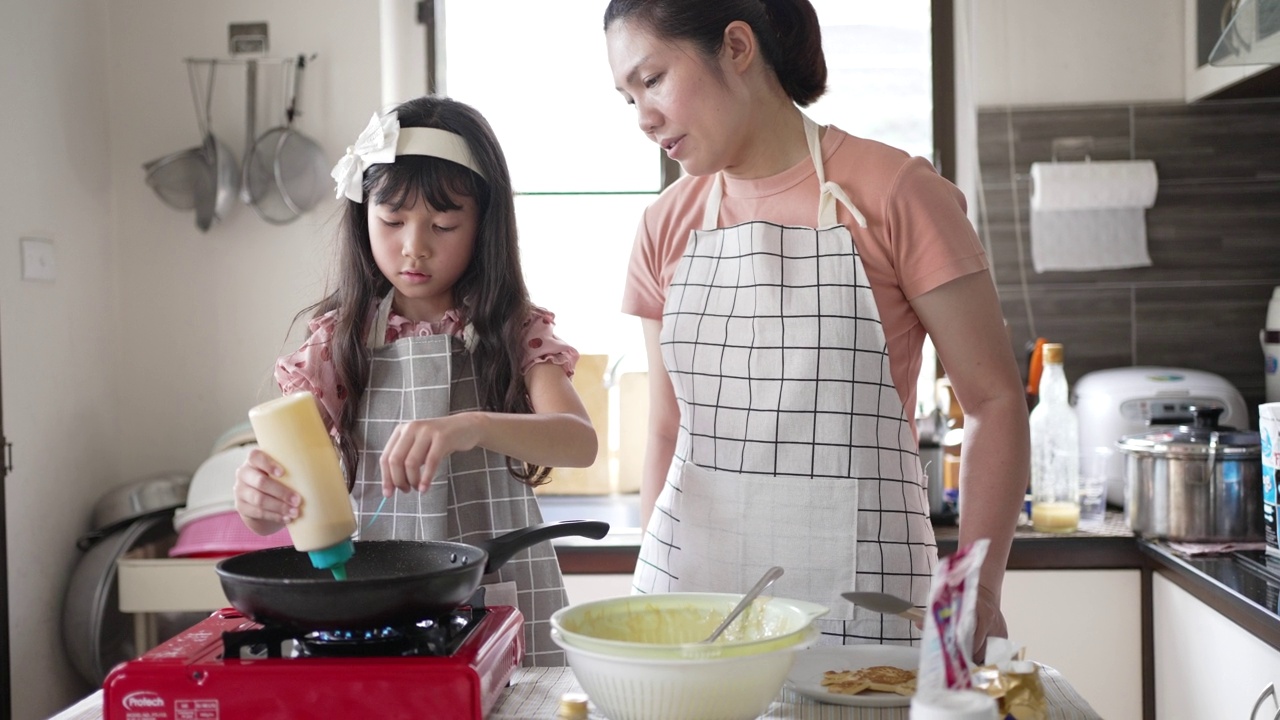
(491, 293)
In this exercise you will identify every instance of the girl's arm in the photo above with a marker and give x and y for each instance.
(557, 434)
(664, 420)
(964, 319)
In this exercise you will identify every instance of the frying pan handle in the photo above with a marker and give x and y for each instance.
(502, 548)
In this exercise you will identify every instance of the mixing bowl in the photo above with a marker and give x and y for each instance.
(638, 656)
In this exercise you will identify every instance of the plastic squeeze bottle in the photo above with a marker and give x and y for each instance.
(290, 430)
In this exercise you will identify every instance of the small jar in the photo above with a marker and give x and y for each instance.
(573, 706)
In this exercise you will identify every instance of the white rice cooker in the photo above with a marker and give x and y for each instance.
(1116, 402)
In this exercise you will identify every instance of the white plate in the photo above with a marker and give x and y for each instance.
(806, 674)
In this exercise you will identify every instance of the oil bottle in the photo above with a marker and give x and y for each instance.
(1055, 449)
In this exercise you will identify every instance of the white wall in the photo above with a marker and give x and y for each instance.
(60, 340)
(203, 315)
(155, 337)
(1050, 52)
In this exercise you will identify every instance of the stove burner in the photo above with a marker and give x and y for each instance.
(431, 637)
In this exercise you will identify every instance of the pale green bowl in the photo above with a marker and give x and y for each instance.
(668, 626)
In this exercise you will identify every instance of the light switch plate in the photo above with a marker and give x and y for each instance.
(38, 259)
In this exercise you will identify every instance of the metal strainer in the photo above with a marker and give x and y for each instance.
(287, 172)
(180, 177)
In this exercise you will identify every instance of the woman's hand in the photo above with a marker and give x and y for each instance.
(264, 503)
(989, 623)
(416, 449)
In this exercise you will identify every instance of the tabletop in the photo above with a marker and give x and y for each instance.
(535, 695)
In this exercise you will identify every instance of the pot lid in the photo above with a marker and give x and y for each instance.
(1203, 438)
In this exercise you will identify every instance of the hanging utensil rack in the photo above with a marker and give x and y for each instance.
(251, 62)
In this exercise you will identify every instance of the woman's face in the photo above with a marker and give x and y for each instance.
(680, 101)
(423, 252)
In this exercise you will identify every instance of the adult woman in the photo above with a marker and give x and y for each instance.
(778, 434)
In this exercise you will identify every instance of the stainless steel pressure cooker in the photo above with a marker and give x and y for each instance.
(1194, 483)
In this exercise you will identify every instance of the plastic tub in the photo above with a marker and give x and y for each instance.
(636, 656)
(212, 488)
(223, 534)
(666, 625)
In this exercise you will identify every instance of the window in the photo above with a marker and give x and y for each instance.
(582, 171)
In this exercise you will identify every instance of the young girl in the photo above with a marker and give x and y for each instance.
(435, 374)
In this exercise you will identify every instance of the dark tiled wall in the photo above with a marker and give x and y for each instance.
(1213, 236)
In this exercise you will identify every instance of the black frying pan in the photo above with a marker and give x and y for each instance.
(389, 582)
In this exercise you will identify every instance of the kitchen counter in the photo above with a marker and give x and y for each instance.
(1243, 586)
(1110, 547)
(535, 694)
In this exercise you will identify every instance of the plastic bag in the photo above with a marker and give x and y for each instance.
(946, 650)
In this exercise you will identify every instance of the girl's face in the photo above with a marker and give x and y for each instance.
(694, 115)
(423, 252)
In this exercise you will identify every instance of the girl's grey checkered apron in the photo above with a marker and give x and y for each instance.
(472, 498)
(793, 447)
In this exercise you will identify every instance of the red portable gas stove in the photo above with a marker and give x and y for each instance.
(229, 667)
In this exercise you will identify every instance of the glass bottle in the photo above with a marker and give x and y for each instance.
(1055, 448)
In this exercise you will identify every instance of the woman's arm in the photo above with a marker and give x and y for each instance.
(557, 434)
(664, 421)
(964, 319)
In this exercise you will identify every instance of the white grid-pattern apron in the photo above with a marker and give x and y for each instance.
(473, 497)
(793, 447)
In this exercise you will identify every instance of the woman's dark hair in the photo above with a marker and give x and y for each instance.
(491, 293)
(787, 31)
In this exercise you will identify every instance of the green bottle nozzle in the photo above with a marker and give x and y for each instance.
(334, 558)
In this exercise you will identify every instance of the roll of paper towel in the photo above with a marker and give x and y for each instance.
(1093, 185)
(1091, 215)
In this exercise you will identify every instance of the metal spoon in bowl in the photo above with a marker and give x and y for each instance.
(765, 581)
(885, 603)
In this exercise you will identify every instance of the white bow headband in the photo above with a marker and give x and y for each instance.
(383, 139)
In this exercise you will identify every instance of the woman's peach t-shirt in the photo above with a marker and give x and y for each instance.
(917, 236)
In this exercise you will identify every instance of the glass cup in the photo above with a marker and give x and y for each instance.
(1094, 466)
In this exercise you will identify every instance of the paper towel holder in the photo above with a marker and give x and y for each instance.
(1075, 144)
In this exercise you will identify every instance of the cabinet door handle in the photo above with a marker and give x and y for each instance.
(1268, 691)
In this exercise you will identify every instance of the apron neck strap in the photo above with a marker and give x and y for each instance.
(378, 331)
(830, 192)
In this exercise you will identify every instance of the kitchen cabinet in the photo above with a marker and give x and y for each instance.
(1087, 625)
(1206, 666)
(1203, 27)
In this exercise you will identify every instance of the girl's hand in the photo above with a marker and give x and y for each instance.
(264, 503)
(415, 450)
